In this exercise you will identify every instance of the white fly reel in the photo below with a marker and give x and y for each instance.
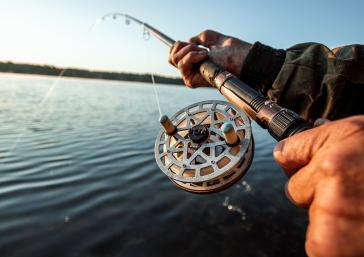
(205, 147)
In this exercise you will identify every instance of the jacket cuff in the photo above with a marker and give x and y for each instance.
(262, 66)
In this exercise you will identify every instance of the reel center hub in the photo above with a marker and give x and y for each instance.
(198, 134)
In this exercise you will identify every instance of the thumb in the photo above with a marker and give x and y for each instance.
(207, 38)
(296, 151)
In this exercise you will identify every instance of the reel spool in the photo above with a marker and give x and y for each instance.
(205, 147)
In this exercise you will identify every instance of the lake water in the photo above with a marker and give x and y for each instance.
(78, 178)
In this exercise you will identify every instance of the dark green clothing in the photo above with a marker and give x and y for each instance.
(309, 78)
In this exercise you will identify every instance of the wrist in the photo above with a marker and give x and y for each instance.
(240, 54)
(261, 66)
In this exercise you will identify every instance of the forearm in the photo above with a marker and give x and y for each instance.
(309, 78)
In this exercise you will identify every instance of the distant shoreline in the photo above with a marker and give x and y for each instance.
(22, 68)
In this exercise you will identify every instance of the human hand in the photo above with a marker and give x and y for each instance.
(227, 52)
(326, 170)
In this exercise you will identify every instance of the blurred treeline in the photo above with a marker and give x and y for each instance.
(71, 72)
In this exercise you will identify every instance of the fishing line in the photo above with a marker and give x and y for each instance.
(146, 36)
(40, 104)
(52, 87)
(156, 96)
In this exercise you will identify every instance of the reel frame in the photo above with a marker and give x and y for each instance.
(212, 165)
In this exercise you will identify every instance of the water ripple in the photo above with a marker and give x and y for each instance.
(82, 180)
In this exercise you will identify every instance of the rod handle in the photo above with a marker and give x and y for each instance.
(280, 122)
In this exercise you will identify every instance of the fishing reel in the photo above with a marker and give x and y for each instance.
(205, 147)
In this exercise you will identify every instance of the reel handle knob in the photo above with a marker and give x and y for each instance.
(230, 135)
(167, 125)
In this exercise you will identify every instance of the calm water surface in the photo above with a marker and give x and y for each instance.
(78, 178)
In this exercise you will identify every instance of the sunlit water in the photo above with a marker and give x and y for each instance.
(82, 180)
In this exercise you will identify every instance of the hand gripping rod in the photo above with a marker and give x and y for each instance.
(280, 122)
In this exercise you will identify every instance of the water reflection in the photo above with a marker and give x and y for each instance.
(234, 208)
(83, 181)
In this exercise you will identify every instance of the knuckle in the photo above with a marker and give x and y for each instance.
(177, 44)
(180, 59)
(324, 242)
(174, 59)
(295, 196)
(229, 41)
(189, 55)
(192, 40)
(334, 165)
(188, 83)
(314, 248)
(204, 34)
(176, 47)
(356, 122)
(188, 48)
(187, 58)
(180, 65)
(192, 46)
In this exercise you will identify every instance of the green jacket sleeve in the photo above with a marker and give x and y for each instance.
(309, 78)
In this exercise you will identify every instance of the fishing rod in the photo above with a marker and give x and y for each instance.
(208, 146)
(147, 28)
(279, 121)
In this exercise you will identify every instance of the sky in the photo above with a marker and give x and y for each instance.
(58, 32)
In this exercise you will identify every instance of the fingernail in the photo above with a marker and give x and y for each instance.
(320, 121)
(290, 198)
(286, 192)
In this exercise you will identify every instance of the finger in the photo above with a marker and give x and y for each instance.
(320, 121)
(186, 64)
(296, 151)
(175, 48)
(207, 38)
(300, 188)
(183, 51)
